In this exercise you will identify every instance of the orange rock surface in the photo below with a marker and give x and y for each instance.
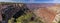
(46, 14)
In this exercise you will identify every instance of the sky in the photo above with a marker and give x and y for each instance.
(32, 1)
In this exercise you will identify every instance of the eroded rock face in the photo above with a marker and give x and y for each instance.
(11, 10)
(50, 14)
(57, 17)
(46, 14)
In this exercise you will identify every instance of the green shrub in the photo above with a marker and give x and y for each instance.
(24, 18)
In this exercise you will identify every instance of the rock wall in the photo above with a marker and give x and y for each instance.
(46, 14)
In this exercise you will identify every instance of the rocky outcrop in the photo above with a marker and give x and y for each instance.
(12, 10)
(46, 14)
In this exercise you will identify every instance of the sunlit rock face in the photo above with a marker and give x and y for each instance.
(57, 17)
(46, 13)
(50, 14)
